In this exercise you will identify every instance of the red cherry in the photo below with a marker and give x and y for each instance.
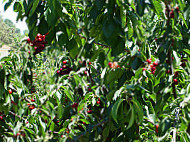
(18, 134)
(40, 39)
(153, 68)
(153, 72)
(28, 52)
(89, 111)
(89, 89)
(85, 72)
(32, 107)
(144, 69)
(64, 62)
(155, 63)
(80, 62)
(98, 102)
(149, 61)
(177, 8)
(67, 131)
(61, 69)
(183, 64)
(89, 63)
(157, 126)
(84, 123)
(58, 72)
(28, 40)
(156, 39)
(172, 13)
(172, 58)
(175, 81)
(176, 74)
(32, 100)
(168, 71)
(23, 134)
(35, 48)
(1, 117)
(64, 66)
(110, 64)
(10, 91)
(62, 136)
(45, 120)
(75, 105)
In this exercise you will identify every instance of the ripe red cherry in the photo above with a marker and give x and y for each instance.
(176, 74)
(98, 102)
(85, 72)
(155, 63)
(75, 105)
(35, 48)
(23, 134)
(64, 62)
(89, 111)
(89, 63)
(32, 107)
(175, 81)
(64, 66)
(84, 123)
(58, 72)
(168, 71)
(28, 52)
(153, 68)
(110, 64)
(10, 91)
(1, 117)
(18, 134)
(40, 39)
(153, 72)
(144, 69)
(28, 40)
(157, 126)
(172, 13)
(149, 61)
(177, 8)
(32, 100)
(89, 89)
(183, 64)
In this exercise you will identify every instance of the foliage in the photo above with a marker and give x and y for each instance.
(130, 72)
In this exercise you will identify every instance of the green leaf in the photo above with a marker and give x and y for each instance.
(106, 132)
(69, 95)
(139, 110)
(114, 75)
(187, 51)
(35, 5)
(43, 26)
(115, 109)
(132, 118)
(130, 29)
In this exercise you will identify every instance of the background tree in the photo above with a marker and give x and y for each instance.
(9, 34)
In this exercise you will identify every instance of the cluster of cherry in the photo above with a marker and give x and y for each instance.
(152, 66)
(172, 12)
(113, 65)
(65, 69)
(38, 43)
